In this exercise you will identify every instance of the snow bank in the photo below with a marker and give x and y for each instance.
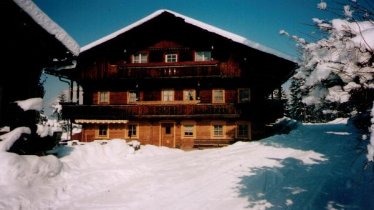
(8, 139)
(95, 154)
(313, 167)
(27, 170)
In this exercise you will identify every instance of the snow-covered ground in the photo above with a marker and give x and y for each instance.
(316, 166)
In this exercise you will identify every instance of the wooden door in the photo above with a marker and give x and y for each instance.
(167, 134)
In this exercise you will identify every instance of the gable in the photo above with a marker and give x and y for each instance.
(165, 44)
(171, 23)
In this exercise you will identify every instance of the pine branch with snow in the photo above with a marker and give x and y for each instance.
(335, 70)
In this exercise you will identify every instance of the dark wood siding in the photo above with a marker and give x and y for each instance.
(231, 96)
(206, 96)
(117, 98)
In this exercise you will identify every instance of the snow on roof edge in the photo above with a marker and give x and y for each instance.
(210, 28)
(49, 25)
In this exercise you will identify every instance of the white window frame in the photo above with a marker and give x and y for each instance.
(130, 129)
(187, 94)
(100, 130)
(221, 133)
(130, 98)
(203, 55)
(171, 58)
(103, 97)
(141, 57)
(214, 96)
(167, 95)
(188, 130)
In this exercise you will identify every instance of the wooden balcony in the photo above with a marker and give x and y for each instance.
(170, 70)
(149, 111)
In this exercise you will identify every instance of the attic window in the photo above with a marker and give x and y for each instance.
(203, 56)
(140, 58)
(171, 58)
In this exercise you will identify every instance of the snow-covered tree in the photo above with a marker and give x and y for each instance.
(335, 77)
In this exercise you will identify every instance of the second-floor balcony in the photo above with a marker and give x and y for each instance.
(149, 111)
(179, 69)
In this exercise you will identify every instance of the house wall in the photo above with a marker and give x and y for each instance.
(150, 132)
(120, 97)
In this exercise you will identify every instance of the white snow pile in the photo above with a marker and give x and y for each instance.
(31, 104)
(313, 167)
(8, 139)
(113, 152)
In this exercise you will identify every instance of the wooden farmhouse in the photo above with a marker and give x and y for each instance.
(30, 42)
(173, 81)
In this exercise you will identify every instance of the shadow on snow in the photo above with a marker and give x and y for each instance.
(340, 182)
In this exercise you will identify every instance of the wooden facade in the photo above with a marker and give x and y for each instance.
(169, 81)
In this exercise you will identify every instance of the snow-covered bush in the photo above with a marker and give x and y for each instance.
(27, 135)
(284, 125)
(335, 77)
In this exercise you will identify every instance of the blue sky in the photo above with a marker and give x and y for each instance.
(257, 20)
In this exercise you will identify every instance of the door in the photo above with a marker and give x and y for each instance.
(167, 134)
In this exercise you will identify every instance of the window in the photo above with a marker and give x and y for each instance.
(103, 97)
(168, 95)
(189, 95)
(244, 95)
(132, 96)
(168, 130)
(171, 58)
(188, 130)
(131, 131)
(103, 130)
(218, 96)
(140, 58)
(217, 130)
(203, 56)
(243, 130)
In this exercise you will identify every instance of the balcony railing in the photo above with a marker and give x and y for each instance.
(181, 69)
(148, 111)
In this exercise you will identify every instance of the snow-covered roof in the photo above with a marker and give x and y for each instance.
(210, 28)
(48, 24)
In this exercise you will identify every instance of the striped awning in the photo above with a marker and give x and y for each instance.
(93, 121)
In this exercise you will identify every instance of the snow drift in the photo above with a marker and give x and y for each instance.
(315, 166)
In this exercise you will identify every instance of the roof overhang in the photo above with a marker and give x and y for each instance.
(223, 33)
(49, 25)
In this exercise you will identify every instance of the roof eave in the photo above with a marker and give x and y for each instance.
(231, 36)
